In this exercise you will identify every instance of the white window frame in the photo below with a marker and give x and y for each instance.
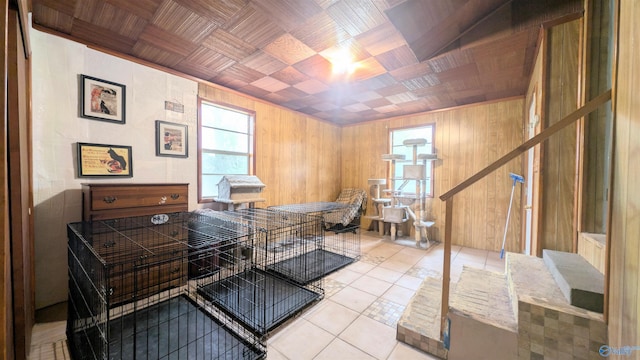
(208, 192)
(413, 132)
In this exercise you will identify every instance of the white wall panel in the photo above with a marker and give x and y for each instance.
(57, 65)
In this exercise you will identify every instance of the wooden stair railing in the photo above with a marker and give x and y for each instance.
(589, 107)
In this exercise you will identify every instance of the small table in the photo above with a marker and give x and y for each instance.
(240, 204)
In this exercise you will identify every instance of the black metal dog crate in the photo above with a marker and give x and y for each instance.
(341, 242)
(275, 278)
(133, 289)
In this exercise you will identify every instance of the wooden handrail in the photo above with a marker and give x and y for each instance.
(583, 111)
(448, 196)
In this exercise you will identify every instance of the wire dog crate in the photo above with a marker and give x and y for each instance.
(130, 293)
(278, 284)
(341, 243)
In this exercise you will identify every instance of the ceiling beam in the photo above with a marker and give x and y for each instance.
(467, 30)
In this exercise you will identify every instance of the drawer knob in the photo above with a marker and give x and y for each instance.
(109, 244)
(174, 233)
(109, 199)
(175, 196)
(175, 270)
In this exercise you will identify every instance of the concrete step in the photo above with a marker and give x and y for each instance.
(483, 325)
(581, 283)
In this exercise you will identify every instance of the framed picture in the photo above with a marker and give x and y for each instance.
(171, 139)
(104, 160)
(102, 100)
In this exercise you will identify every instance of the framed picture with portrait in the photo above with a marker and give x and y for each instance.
(102, 100)
(104, 160)
(171, 139)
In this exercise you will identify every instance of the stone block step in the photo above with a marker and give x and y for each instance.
(483, 325)
(529, 278)
(483, 295)
(581, 283)
(548, 326)
(419, 325)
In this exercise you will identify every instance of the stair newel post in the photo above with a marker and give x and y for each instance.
(446, 264)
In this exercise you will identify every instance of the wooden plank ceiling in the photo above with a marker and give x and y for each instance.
(410, 56)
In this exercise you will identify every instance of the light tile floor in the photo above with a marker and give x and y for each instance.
(358, 315)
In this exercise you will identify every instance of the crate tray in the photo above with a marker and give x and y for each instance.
(173, 329)
(310, 266)
(258, 299)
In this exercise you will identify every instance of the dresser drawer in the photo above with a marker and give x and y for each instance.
(107, 201)
(154, 278)
(130, 283)
(132, 196)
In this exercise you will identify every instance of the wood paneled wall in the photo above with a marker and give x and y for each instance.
(598, 127)
(6, 305)
(17, 311)
(559, 152)
(466, 140)
(297, 157)
(624, 294)
(19, 137)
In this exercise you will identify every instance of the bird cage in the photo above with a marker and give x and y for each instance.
(239, 188)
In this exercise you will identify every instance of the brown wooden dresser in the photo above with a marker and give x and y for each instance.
(158, 256)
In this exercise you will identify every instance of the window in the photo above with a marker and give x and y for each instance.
(398, 136)
(225, 145)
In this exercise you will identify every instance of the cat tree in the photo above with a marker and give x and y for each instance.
(396, 208)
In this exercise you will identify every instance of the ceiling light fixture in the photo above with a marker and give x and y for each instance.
(342, 62)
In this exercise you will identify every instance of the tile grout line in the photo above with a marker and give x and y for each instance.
(61, 352)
